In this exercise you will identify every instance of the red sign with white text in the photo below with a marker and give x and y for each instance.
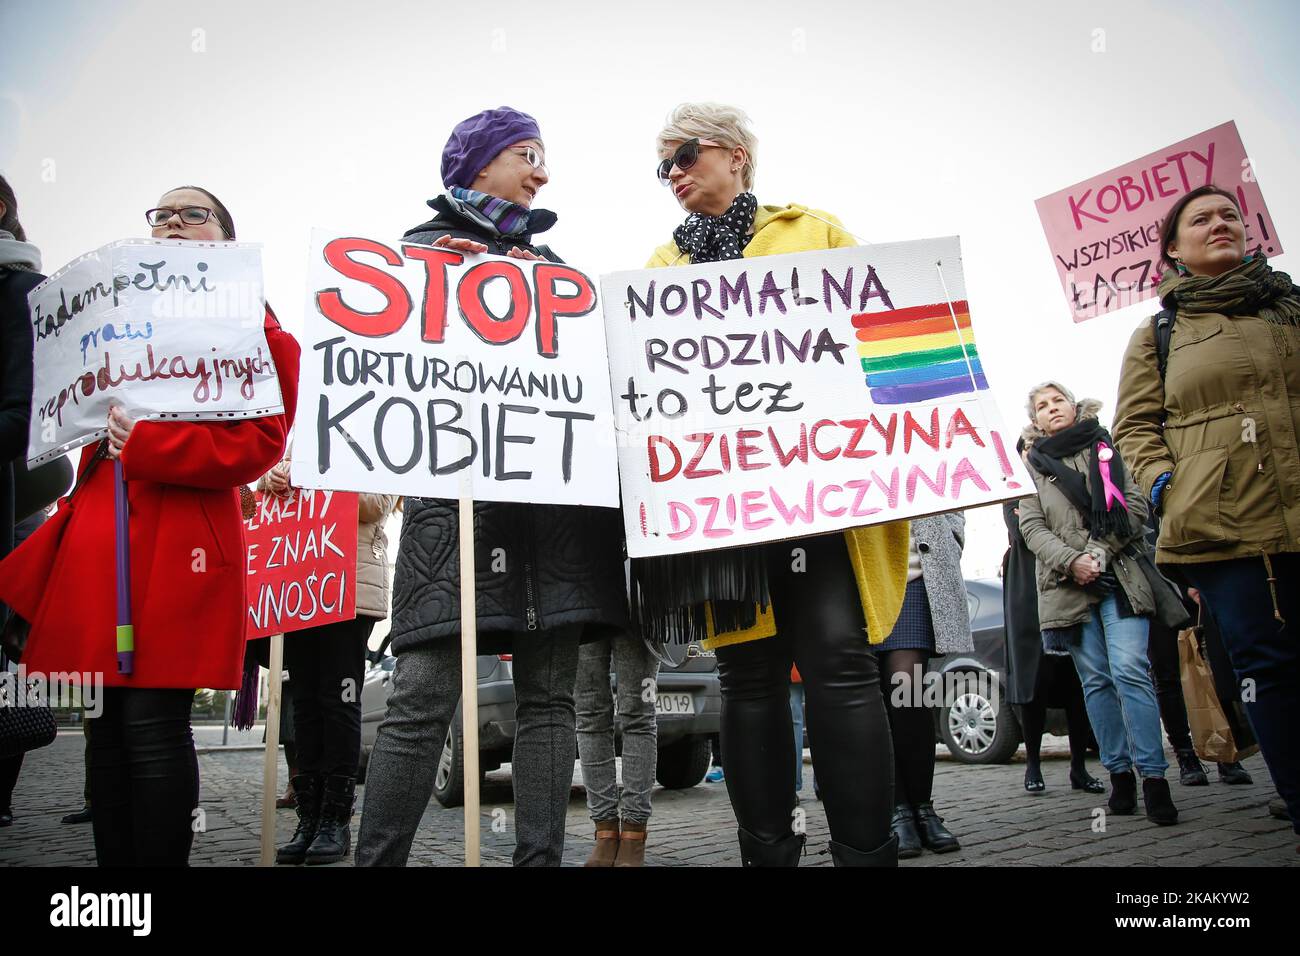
(302, 561)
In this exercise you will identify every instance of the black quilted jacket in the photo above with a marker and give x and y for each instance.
(537, 567)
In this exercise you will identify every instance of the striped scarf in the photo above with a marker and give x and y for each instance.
(510, 219)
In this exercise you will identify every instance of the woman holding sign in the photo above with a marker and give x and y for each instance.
(327, 665)
(548, 577)
(823, 590)
(188, 585)
(1209, 415)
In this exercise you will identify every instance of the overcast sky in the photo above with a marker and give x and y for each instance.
(905, 119)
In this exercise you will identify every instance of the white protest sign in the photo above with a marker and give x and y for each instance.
(424, 369)
(781, 396)
(167, 329)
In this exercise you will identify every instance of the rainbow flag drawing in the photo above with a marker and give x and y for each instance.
(915, 354)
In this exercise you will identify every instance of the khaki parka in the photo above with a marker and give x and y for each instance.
(1230, 403)
(1054, 530)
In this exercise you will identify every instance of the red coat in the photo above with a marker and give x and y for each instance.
(188, 558)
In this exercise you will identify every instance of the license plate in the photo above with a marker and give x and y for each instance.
(674, 704)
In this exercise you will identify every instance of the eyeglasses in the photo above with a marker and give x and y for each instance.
(190, 215)
(684, 158)
(531, 156)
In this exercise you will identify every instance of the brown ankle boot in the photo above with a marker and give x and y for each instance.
(631, 845)
(607, 844)
(290, 800)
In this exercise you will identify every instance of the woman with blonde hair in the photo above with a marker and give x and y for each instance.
(1093, 597)
(762, 611)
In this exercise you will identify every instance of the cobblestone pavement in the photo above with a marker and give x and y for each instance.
(998, 822)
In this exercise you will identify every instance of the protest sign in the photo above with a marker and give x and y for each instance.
(1104, 232)
(424, 368)
(782, 396)
(167, 329)
(302, 561)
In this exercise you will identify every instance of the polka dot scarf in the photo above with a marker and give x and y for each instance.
(714, 238)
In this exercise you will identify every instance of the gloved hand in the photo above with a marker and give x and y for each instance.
(1158, 490)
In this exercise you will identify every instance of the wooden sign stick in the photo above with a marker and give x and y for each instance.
(271, 756)
(469, 676)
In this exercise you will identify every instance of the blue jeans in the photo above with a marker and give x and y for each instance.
(1111, 659)
(1265, 652)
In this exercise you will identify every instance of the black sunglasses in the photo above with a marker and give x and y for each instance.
(684, 158)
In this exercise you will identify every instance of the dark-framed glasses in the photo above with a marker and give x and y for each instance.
(190, 215)
(683, 158)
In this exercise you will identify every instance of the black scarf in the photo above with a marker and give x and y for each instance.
(714, 238)
(669, 591)
(1046, 455)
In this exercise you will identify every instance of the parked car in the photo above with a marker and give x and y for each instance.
(975, 722)
(688, 705)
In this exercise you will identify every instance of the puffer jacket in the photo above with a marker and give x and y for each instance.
(940, 540)
(537, 567)
(1054, 530)
(373, 588)
(1226, 382)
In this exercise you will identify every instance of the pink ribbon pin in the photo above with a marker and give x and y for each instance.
(1104, 455)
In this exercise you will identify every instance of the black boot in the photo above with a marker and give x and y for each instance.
(756, 852)
(306, 787)
(1190, 771)
(334, 835)
(1123, 800)
(1080, 779)
(1234, 773)
(885, 855)
(903, 824)
(1159, 803)
(934, 835)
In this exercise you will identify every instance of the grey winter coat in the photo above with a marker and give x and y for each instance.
(940, 540)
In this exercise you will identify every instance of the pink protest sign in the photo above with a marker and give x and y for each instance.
(1104, 232)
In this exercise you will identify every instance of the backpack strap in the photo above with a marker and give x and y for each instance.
(1163, 323)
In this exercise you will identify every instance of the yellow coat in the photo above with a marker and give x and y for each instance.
(879, 552)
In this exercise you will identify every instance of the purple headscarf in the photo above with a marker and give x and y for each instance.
(476, 141)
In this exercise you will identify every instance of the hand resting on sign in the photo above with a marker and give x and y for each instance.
(460, 245)
(469, 245)
(278, 480)
(119, 430)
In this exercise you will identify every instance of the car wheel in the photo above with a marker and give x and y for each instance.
(449, 779)
(978, 726)
(683, 764)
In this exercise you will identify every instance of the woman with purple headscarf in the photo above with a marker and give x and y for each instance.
(549, 577)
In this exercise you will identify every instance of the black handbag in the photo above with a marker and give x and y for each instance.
(23, 726)
(1170, 609)
(37, 488)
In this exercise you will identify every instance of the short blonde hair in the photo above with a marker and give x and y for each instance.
(728, 125)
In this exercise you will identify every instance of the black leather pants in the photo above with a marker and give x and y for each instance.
(144, 777)
(819, 628)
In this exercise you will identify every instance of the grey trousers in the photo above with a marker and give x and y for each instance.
(635, 670)
(426, 690)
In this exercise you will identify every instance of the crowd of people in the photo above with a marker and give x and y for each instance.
(1092, 616)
